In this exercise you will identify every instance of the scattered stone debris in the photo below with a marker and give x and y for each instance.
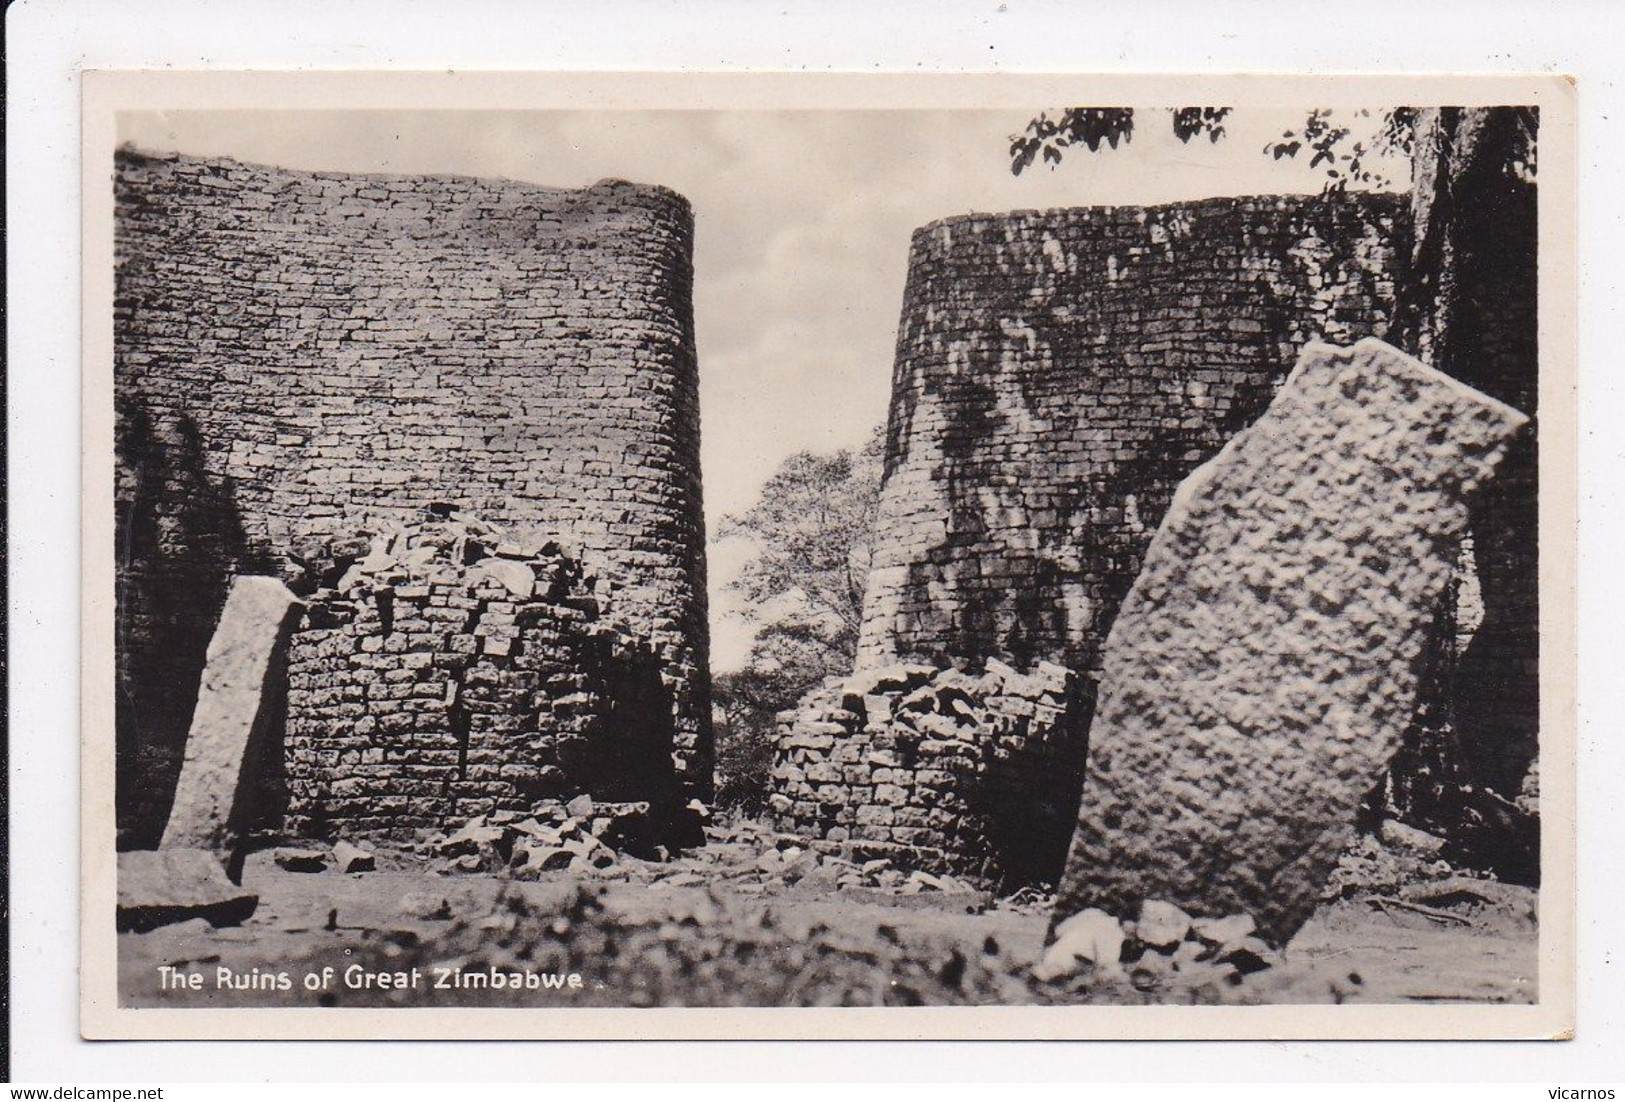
(352, 858)
(160, 887)
(707, 909)
(702, 951)
(1260, 672)
(581, 836)
(1370, 866)
(1090, 937)
(1400, 835)
(755, 858)
(1030, 899)
(1162, 951)
(301, 860)
(1398, 873)
(426, 905)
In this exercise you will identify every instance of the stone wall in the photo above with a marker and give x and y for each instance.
(1266, 662)
(973, 774)
(450, 674)
(296, 349)
(1058, 373)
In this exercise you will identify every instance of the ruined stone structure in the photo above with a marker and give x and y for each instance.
(298, 352)
(1057, 375)
(1263, 667)
(451, 674)
(946, 771)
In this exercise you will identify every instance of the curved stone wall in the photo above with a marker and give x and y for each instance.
(1058, 373)
(296, 349)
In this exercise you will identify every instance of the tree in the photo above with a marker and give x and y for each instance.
(811, 527)
(1346, 156)
(1466, 303)
(786, 661)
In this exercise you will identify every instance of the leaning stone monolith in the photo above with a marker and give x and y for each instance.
(242, 679)
(1260, 672)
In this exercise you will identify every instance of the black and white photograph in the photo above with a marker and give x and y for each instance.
(829, 545)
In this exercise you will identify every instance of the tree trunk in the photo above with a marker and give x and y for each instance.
(1468, 307)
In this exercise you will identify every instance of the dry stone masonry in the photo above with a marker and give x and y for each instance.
(448, 674)
(299, 352)
(1059, 372)
(941, 770)
(1265, 662)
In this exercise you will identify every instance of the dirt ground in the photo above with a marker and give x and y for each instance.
(725, 924)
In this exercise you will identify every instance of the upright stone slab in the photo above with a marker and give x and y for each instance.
(245, 671)
(1262, 668)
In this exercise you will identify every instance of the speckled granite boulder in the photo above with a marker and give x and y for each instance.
(1262, 668)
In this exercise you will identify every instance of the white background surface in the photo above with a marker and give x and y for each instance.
(49, 42)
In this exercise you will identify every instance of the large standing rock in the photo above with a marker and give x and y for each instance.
(242, 680)
(1259, 675)
(160, 887)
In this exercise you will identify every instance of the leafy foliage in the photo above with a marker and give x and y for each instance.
(811, 527)
(1190, 122)
(1346, 157)
(1092, 127)
(1347, 162)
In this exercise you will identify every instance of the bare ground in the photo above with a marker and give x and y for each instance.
(713, 928)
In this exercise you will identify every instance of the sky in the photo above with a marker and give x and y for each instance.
(802, 227)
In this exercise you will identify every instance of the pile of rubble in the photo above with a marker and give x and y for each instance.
(1164, 947)
(972, 774)
(342, 857)
(752, 860)
(448, 547)
(446, 671)
(581, 836)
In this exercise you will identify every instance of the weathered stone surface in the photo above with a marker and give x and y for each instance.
(242, 681)
(1089, 937)
(1161, 925)
(947, 771)
(301, 860)
(424, 693)
(160, 887)
(1059, 372)
(352, 858)
(516, 577)
(294, 349)
(1261, 670)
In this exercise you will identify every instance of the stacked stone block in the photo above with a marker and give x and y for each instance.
(446, 676)
(1266, 661)
(296, 349)
(974, 775)
(1058, 373)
